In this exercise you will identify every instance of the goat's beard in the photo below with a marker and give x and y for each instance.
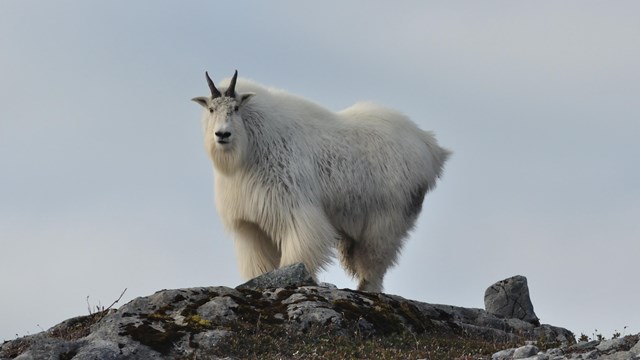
(226, 158)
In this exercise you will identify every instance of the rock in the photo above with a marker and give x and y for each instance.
(525, 352)
(292, 275)
(636, 348)
(620, 348)
(623, 355)
(218, 322)
(609, 346)
(328, 285)
(503, 355)
(555, 353)
(510, 299)
(536, 357)
(584, 346)
(626, 348)
(594, 354)
(270, 313)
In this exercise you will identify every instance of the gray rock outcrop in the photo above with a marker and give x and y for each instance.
(212, 322)
(292, 275)
(623, 348)
(510, 299)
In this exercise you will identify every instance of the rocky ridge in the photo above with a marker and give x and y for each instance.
(622, 348)
(284, 314)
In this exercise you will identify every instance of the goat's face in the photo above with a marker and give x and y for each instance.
(224, 133)
(222, 124)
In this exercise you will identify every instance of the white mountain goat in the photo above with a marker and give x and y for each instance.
(293, 180)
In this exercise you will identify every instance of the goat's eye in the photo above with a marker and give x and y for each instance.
(211, 111)
(236, 108)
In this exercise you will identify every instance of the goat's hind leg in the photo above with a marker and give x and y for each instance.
(370, 270)
(374, 254)
(346, 246)
(361, 263)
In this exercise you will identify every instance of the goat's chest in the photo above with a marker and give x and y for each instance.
(247, 199)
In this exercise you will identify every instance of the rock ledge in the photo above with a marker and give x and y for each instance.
(201, 322)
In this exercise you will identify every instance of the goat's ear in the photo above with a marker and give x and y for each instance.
(201, 100)
(245, 97)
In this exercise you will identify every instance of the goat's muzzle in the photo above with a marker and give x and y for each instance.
(222, 137)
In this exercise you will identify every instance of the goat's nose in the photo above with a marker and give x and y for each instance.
(222, 135)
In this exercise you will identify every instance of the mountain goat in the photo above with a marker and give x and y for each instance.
(293, 180)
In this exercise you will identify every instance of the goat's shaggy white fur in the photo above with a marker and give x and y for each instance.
(293, 180)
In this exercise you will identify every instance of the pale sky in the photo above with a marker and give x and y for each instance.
(105, 184)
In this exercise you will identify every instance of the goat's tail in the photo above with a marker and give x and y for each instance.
(439, 155)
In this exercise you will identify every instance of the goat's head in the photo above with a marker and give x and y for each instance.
(224, 132)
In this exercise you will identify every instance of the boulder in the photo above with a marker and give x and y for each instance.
(613, 345)
(293, 275)
(510, 299)
(506, 354)
(525, 352)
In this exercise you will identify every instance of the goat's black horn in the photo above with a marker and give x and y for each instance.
(214, 92)
(231, 91)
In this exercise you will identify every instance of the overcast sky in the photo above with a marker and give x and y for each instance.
(105, 184)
